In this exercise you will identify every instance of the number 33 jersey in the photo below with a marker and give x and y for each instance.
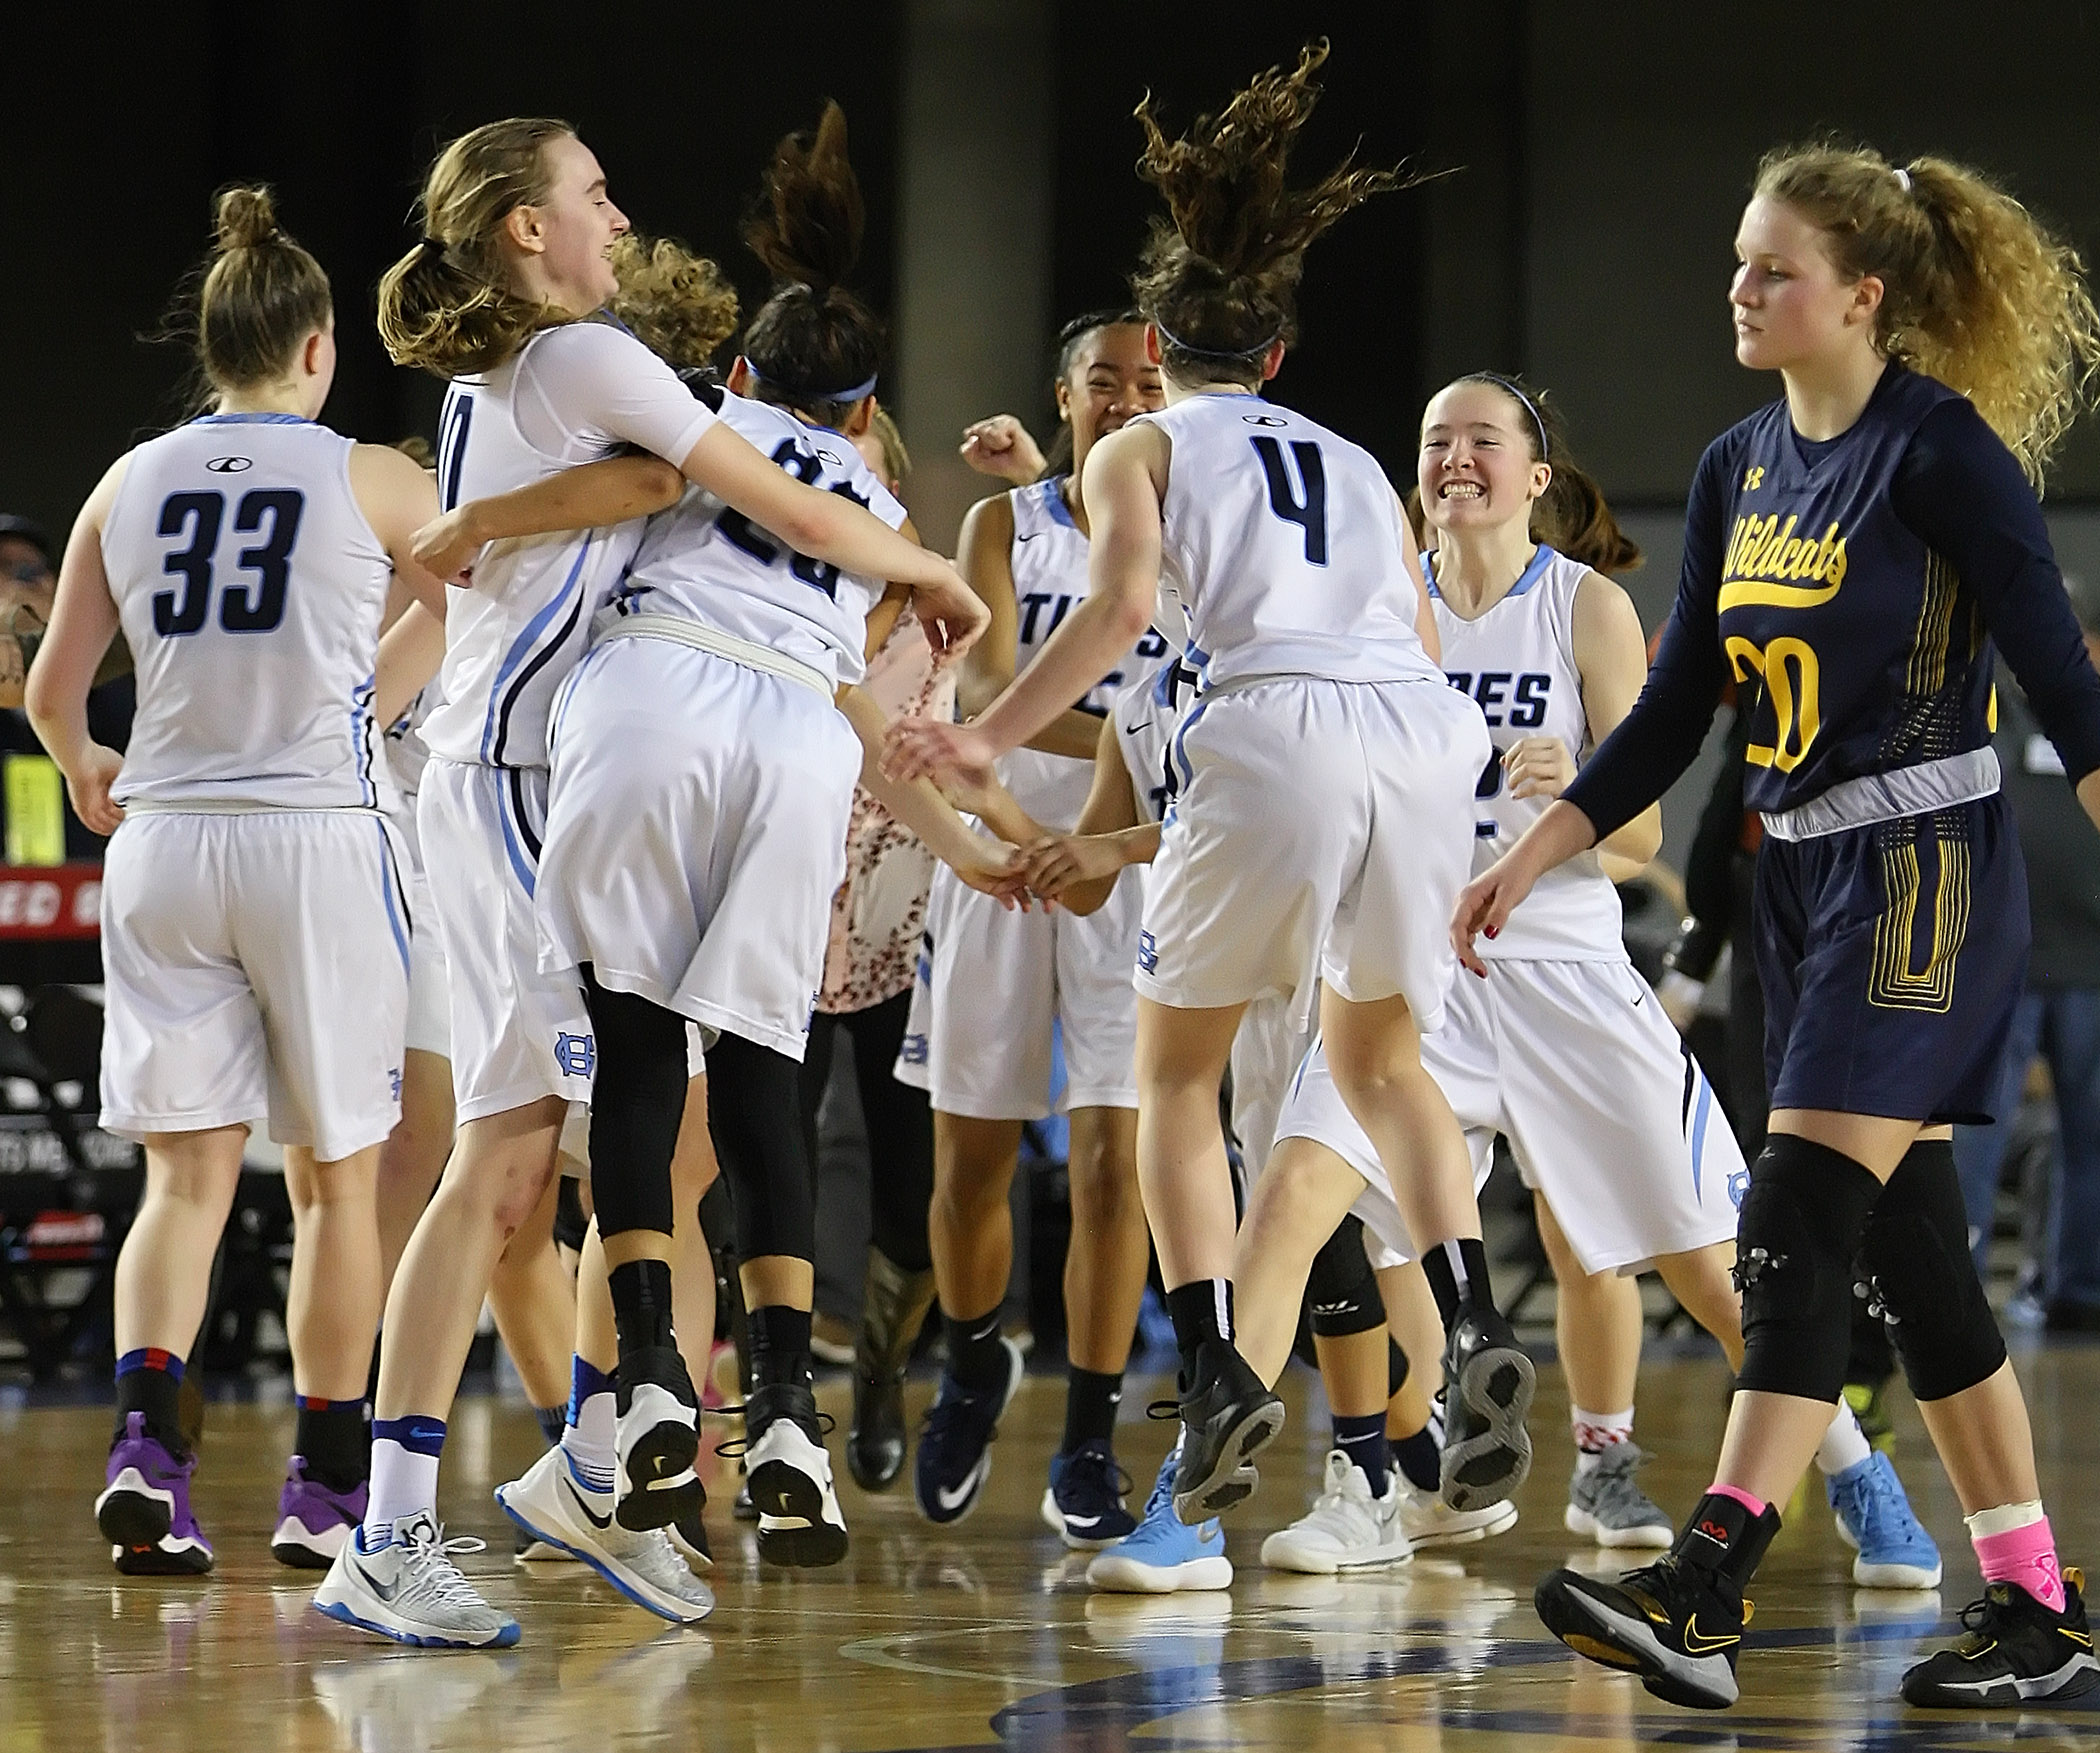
(1283, 547)
(250, 589)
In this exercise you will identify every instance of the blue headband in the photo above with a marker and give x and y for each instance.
(1530, 407)
(852, 395)
(1180, 346)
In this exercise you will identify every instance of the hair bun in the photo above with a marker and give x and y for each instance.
(245, 217)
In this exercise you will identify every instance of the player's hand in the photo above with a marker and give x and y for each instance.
(950, 613)
(973, 788)
(1002, 448)
(927, 748)
(447, 547)
(88, 790)
(14, 672)
(1538, 767)
(992, 867)
(1484, 906)
(1055, 863)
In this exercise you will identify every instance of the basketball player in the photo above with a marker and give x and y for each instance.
(1327, 775)
(998, 981)
(254, 929)
(518, 233)
(1858, 545)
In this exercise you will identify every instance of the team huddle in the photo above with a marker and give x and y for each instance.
(505, 815)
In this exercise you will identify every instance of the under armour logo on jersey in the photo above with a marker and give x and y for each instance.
(1753, 477)
(229, 465)
(1148, 952)
(577, 1055)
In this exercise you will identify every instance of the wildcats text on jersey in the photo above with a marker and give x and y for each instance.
(1766, 550)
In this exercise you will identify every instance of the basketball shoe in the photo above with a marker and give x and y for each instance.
(955, 1444)
(799, 1520)
(2014, 1651)
(656, 1438)
(1164, 1554)
(1347, 1528)
(1488, 1382)
(408, 1589)
(314, 1521)
(1875, 1519)
(1428, 1520)
(1605, 1505)
(550, 1503)
(1227, 1418)
(144, 1509)
(1084, 1504)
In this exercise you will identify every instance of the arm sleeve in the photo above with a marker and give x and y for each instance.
(591, 379)
(1961, 492)
(1659, 738)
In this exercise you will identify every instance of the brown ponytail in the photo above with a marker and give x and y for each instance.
(1976, 292)
(446, 306)
(678, 304)
(1220, 273)
(1572, 515)
(261, 295)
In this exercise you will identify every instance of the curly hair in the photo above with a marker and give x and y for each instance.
(679, 305)
(1219, 272)
(1976, 291)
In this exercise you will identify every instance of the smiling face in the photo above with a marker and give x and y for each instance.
(1478, 468)
(565, 241)
(1792, 306)
(1111, 381)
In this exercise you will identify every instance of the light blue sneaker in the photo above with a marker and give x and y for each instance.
(1875, 1519)
(1164, 1555)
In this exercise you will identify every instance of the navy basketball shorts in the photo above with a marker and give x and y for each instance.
(1892, 956)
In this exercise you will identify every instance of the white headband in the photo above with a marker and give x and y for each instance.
(1903, 181)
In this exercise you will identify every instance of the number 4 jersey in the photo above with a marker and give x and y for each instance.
(1283, 547)
(250, 587)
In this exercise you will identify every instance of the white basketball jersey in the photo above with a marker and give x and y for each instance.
(1049, 563)
(1148, 711)
(250, 587)
(1517, 662)
(702, 561)
(1283, 547)
(407, 754)
(511, 639)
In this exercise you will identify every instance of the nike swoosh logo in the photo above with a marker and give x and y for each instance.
(1641, 1000)
(1082, 1521)
(1142, 725)
(955, 1499)
(1698, 1643)
(601, 1523)
(1031, 536)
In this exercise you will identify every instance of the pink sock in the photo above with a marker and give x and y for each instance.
(2025, 1556)
(1755, 1505)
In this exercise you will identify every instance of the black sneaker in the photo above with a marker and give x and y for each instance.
(799, 1520)
(955, 1444)
(2014, 1651)
(1227, 1418)
(1676, 1625)
(1084, 1504)
(1489, 1382)
(656, 1439)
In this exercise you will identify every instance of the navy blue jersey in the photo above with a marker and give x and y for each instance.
(1854, 588)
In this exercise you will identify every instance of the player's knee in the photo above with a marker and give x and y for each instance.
(755, 1115)
(1795, 1240)
(1921, 1278)
(1342, 1288)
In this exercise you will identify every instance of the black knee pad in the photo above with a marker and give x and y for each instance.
(754, 1112)
(1921, 1277)
(1342, 1287)
(637, 1101)
(1796, 1235)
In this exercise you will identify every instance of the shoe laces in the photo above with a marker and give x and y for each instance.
(432, 1576)
(730, 1447)
(1093, 1467)
(1340, 1511)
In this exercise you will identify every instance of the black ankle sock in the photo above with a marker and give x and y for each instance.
(1363, 1440)
(553, 1420)
(1725, 1538)
(335, 1440)
(1201, 1310)
(152, 1384)
(1420, 1460)
(1091, 1399)
(975, 1357)
(1457, 1271)
(1395, 1367)
(780, 1345)
(641, 1299)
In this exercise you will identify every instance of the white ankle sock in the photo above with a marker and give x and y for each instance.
(588, 1443)
(1844, 1443)
(403, 1482)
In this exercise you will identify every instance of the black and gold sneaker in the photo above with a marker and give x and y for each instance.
(2013, 1651)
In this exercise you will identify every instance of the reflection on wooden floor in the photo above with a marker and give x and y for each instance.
(980, 1635)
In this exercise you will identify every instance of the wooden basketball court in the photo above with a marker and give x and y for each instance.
(979, 1636)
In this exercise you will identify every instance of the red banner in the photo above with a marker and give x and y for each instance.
(62, 900)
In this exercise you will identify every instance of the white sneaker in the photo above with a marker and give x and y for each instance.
(1430, 1521)
(551, 1505)
(411, 1591)
(799, 1520)
(656, 1438)
(1346, 1528)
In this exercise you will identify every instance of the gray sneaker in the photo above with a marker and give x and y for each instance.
(411, 1591)
(1608, 1507)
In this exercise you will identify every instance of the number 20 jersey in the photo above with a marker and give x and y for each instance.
(1517, 662)
(250, 588)
(1283, 548)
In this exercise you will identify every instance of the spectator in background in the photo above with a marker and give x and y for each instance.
(2058, 1018)
(27, 581)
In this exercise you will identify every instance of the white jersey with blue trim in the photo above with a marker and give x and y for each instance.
(1049, 563)
(250, 588)
(702, 561)
(1282, 545)
(1148, 711)
(576, 393)
(1517, 661)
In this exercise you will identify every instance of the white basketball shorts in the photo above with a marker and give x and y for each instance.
(429, 990)
(1318, 822)
(696, 833)
(256, 969)
(517, 1034)
(978, 1036)
(1605, 1112)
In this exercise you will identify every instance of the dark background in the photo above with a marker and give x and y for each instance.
(1605, 147)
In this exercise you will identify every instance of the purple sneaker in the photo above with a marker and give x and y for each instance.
(144, 1510)
(313, 1521)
